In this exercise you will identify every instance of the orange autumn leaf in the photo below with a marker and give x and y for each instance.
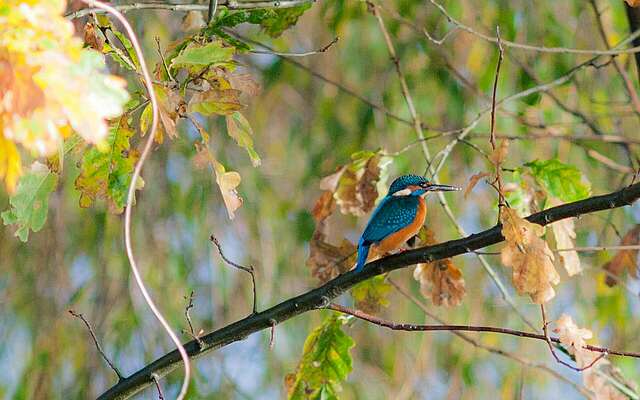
(324, 206)
(633, 3)
(624, 260)
(529, 256)
(441, 280)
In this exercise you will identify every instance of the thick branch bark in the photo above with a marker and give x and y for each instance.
(322, 296)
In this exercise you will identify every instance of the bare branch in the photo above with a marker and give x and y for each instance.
(466, 328)
(250, 270)
(95, 341)
(194, 335)
(321, 50)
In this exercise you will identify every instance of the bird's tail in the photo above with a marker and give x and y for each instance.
(363, 254)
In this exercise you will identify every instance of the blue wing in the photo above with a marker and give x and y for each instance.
(391, 215)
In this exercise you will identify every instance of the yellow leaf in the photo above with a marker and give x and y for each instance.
(528, 256)
(10, 167)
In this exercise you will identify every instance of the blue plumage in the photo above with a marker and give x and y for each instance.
(391, 215)
(397, 210)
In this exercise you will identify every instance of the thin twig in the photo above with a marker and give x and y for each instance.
(628, 85)
(305, 54)
(95, 341)
(156, 380)
(547, 339)
(465, 328)
(272, 335)
(132, 189)
(187, 315)
(523, 46)
(497, 160)
(250, 270)
(164, 62)
(495, 350)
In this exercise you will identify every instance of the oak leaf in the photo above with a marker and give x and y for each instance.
(595, 378)
(529, 256)
(440, 280)
(473, 181)
(324, 206)
(356, 185)
(499, 154)
(624, 260)
(564, 232)
(326, 261)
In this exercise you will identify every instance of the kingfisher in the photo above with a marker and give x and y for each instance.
(398, 217)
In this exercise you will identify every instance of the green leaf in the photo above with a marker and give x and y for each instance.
(107, 173)
(371, 294)
(517, 196)
(216, 101)
(326, 362)
(276, 21)
(195, 56)
(560, 180)
(239, 129)
(30, 204)
(273, 21)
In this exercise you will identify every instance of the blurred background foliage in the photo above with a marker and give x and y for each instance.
(304, 129)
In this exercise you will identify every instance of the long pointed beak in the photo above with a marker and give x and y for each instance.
(442, 188)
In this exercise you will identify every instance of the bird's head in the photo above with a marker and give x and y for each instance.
(415, 185)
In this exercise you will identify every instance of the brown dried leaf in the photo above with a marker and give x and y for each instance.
(356, 192)
(244, 83)
(327, 261)
(92, 38)
(473, 181)
(330, 182)
(633, 3)
(529, 256)
(324, 206)
(500, 153)
(624, 259)
(440, 280)
(193, 21)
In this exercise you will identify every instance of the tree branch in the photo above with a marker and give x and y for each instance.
(169, 6)
(321, 297)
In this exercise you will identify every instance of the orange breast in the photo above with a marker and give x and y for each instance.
(397, 239)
